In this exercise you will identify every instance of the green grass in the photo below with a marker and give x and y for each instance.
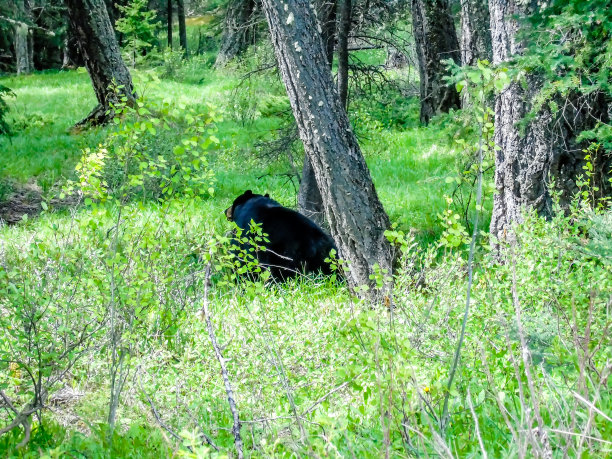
(355, 374)
(408, 165)
(48, 104)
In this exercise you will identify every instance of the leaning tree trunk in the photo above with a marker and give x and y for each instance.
(475, 31)
(435, 39)
(98, 47)
(180, 13)
(545, 147)
(237, 32)
(356, 217)
(310, 202)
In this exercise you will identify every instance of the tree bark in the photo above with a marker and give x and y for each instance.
(435, 39)
(544, 148)
(356, 217)
(23, 49)
(475, 32)
(98, 46)
(24, 46)
(344, 29)
(180, 13)
(71, 56)
(327, 13)
(237, 32)
(169, 26)
(310, 202)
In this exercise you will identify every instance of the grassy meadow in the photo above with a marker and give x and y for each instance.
(108, 293)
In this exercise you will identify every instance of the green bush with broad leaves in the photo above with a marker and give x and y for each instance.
(154, 152)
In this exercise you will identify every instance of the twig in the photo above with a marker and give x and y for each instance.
(322, 399)
(542, 436)
(445, 416)
(228, 387)
(476, 426)
(591, 405)
(588, 437)
(154, 410)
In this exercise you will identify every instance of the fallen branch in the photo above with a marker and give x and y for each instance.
(29, 26)
(155, 412)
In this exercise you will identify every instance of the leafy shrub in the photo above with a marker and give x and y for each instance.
(4, 108)
(155, 151)
(32, 120)
(139, 26)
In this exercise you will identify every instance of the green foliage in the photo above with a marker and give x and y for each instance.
(569, 46)
(314, 370)
(144, 157)
(138, 24)
(4, 108)
(474, 136)
(32, 121)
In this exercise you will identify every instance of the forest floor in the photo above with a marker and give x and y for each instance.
(105, 290)
(410, 164)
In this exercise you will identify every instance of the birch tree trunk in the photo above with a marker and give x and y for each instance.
(23, 49)
(435, 39)
(356, 217)
(98, 47)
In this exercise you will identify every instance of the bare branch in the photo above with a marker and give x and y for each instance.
(228, 387)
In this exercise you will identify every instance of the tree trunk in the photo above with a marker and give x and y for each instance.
(344, 28)
(98, 47)
(23, 49)
(180, 13)
(71, 58)
(475, 32)
(545, 147)
(169, 27)
(310, 202)
(237, 33)
(327, 13)
(435, 39)
(356, 217)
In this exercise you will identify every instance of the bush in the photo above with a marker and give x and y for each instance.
(155, 150)
(4, 108)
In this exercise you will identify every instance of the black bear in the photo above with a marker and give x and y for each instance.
(296, 243)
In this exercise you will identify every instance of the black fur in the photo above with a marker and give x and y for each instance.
(302, 245)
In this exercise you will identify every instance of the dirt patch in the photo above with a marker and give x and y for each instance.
(27, 200)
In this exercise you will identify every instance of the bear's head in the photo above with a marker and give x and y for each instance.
(244, 197)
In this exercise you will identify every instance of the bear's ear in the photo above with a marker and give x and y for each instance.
(267, 195)
(248, 193)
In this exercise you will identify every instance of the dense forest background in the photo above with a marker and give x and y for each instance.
(459, 152)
